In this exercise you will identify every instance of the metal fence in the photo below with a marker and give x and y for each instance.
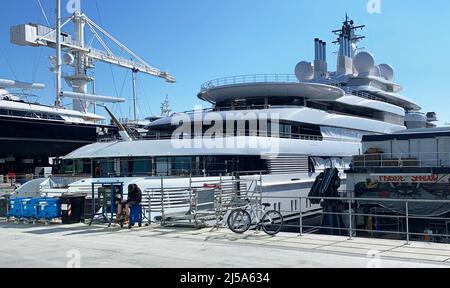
(412, 160)
(350, 211)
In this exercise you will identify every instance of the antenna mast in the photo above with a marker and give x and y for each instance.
(58, 54)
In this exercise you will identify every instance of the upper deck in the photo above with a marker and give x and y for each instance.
(279, 86)
(268, 85)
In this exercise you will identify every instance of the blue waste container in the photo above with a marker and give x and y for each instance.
(15, 208)
(29, 209)
(48, 208)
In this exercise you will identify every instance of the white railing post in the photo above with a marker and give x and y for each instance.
(149, 208)
(301, 216)
(162, 202)
(407, 224)
(350, 225)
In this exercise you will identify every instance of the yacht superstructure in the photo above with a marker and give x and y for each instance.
(288, 128)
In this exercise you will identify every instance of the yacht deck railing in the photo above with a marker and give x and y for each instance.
(282, 78)
(402, 160)
(261, 78)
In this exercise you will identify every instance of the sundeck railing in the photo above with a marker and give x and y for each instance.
(233, 133)
(261, 78)
(411, 160)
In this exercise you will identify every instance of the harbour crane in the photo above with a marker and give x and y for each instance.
(72, 50)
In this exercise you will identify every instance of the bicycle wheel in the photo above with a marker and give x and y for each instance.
(272, 222)
(239, 221)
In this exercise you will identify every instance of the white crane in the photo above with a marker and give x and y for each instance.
(81, 56)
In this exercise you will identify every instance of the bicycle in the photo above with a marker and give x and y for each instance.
(240, 220)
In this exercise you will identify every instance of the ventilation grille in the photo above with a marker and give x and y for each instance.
(288, 164)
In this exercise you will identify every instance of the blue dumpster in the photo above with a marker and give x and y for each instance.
(15, 208)
(48, 208)
(29, 208)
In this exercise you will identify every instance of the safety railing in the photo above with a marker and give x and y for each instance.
(248, 79)
(404, 160)
(366, 217)
(235, 133)
(262, 78)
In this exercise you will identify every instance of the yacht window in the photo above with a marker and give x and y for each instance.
(163, 166)
(182, 165)
(142, 166)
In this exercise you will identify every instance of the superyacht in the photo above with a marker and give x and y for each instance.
(284, 128)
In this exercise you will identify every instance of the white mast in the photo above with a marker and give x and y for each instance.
(58, 54)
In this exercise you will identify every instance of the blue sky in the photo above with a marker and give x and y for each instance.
(200, 40)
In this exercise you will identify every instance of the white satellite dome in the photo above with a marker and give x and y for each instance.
(68, 59)
(387, 72)
(304, 71)
(364, 62)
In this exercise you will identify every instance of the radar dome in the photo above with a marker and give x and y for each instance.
(387, 72)
(304, 71)
(375, 71)
(364, 62)
(68, 59)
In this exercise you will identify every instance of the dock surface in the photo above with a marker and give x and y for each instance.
(59, 246)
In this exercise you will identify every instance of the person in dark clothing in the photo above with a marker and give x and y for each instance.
(134, 199)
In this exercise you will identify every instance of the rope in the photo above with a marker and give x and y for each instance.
(9, 64)
(36, 64)
(43, 12)
(145, 98)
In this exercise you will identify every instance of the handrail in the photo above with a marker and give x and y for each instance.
(262, 78)
(410, 160)
(351, 213)
(249, 79)
(236, 133)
